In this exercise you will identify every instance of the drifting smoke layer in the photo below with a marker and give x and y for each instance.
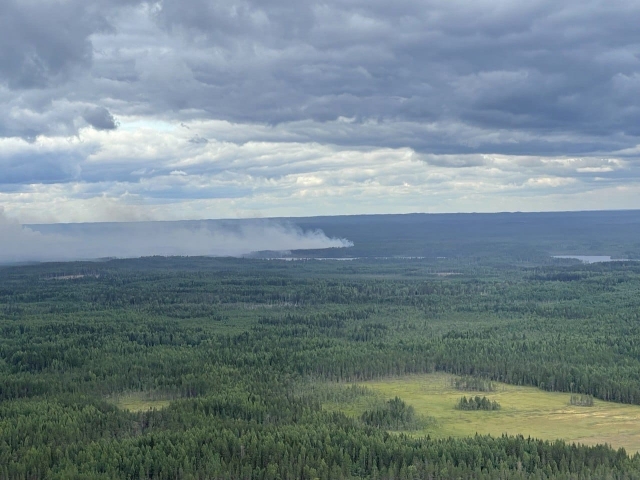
(124, 240)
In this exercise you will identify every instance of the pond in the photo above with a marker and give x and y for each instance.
(592, 258)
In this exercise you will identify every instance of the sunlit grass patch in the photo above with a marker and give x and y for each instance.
(526, 411)
(139, 401)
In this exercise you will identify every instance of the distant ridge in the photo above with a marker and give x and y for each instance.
(516, 235)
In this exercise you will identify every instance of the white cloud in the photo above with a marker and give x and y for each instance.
(186, 109)
(550, 182)
(140, 173)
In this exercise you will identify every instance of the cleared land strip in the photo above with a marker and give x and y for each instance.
(526, 411)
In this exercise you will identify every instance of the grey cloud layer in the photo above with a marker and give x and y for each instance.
(534, 68)
(530, 70)
(150, 103)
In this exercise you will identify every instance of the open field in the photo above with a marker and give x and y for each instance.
(138, 402)
(524, 410)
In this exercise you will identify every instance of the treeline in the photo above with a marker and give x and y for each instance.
(234, 343)
(581, 400)
(109, 352)
(394, 414)
(477, 384)
(239, 435)
(477, 403)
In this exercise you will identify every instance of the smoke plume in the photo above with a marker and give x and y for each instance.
(60, 242)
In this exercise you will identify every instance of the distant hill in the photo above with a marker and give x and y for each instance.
(520, 236)
(615, 233)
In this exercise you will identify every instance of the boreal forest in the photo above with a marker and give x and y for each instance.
(261, 367)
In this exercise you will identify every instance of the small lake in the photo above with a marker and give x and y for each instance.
(592, 258)
(298, 259)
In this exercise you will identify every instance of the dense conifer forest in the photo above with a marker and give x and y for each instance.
(477, 403)
(238, 348)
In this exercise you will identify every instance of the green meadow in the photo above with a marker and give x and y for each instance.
(525, 411)
(138, 401)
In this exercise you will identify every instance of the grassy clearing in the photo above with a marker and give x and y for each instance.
(524, 410)
(139, 401)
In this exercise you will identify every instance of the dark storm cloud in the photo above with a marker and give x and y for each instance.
(100, 118)
(534, 67)
(534, 78)
(47, 168)
(43, 41)
(198, 140)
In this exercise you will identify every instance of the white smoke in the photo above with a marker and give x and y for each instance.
(20, 243)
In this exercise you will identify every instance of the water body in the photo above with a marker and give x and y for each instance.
(342, 259)
(593, 258)
(298, 259)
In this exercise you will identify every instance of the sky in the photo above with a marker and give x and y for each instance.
(121, 110)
